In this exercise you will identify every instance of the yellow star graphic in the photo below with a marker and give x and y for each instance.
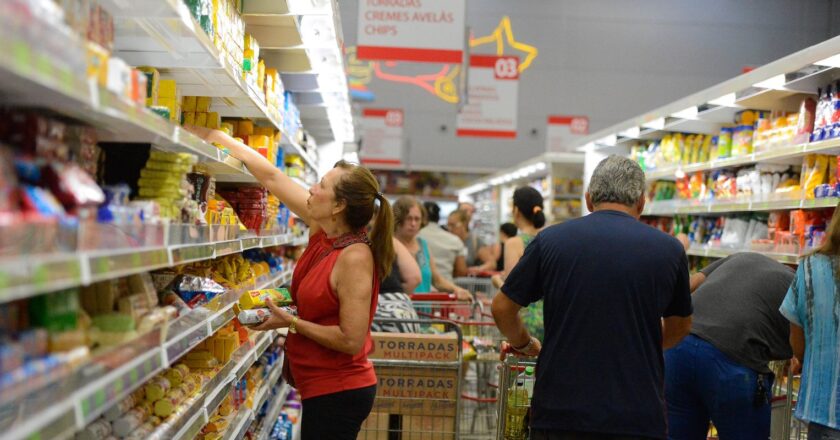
(504, 33)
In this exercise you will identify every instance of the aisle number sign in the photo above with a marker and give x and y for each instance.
(430, 31)
(493, 98)
(382, 138)
(564, 130)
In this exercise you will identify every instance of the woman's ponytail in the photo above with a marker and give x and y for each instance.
(381, 238)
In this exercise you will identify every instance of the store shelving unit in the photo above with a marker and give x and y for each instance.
(273, 413)
(67, 403)
(778, 86)
(717, 252)
(30, 275)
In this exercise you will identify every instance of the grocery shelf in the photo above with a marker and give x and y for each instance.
(163, 34)
(33, 78)
(677, 207)
(68, 403)
(778, 85)
(197, 412)
(790, 155)
(240, 424)
(297, 149)
(273, 412)
(28, 275)
(717, 252)
(568, 196)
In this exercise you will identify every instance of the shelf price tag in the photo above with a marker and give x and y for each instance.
(178, 348)
(250, 243)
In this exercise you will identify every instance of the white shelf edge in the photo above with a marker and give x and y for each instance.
(731, 206)
(87, 256)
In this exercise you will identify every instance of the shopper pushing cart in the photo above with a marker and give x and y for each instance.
(607, 281)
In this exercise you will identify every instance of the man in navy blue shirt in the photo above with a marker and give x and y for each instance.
(607, 281)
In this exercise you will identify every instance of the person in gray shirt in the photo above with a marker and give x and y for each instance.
(720, 371)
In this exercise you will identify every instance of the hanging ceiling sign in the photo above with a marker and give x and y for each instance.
(564, 130)
(431, 31)
(382, 137)
(493, 89)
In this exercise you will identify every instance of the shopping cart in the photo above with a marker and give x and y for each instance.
(514, 399)
(480, 380)
(419, 389)
(783, 426)
(480, 286)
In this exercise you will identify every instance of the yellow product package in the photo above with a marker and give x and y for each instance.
(202, 104)
(188, 103)
(256, 298)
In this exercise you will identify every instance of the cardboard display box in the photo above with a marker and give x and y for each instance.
(414, 347)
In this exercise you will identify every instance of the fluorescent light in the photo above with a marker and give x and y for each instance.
(727, 100)
(689, 113)
(833, 61)
(656, 124)
(540, 166)
(608, 140)
(632, 132)
(775, 82)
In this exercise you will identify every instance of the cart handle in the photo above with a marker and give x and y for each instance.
(437, 296)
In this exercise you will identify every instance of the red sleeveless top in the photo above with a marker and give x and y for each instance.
(318, 370)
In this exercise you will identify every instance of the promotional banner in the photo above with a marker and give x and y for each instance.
(431, 31)
(382, 136)
(493, 98)
(563, 131)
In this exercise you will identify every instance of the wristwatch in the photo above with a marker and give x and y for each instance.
(526, 346)
(293, 325)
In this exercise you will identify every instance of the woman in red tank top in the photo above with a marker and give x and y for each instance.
(335, 287)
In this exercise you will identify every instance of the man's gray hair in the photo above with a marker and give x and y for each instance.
(617, 179)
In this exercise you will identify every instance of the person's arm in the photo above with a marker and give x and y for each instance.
(444, 285)
(409, 270)
(460, 267)
(485, 255)
(797, 342)
(271, 177)
(696, 280)
(674, 329)
(514, 249)
(506, 314)
(676, 322)
(522, 287)
(353, 277)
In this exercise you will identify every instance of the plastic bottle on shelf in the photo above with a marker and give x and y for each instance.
(517, 409)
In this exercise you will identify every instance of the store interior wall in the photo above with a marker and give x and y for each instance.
(607, 59)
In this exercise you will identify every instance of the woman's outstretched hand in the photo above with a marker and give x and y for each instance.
(279, 318)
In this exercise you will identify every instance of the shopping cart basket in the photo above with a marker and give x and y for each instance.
(480, 380)
(419, 389)
(783, 426)
(480, 286)
(514, 399)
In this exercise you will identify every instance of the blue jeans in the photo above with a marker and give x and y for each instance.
(702, 384)
(820, 432)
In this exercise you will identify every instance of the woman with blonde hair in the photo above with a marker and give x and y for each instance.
(335, 287)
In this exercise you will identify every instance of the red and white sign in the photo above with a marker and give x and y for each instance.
(431, 31)
(493, 98)
(382, 138)
(564, 130)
